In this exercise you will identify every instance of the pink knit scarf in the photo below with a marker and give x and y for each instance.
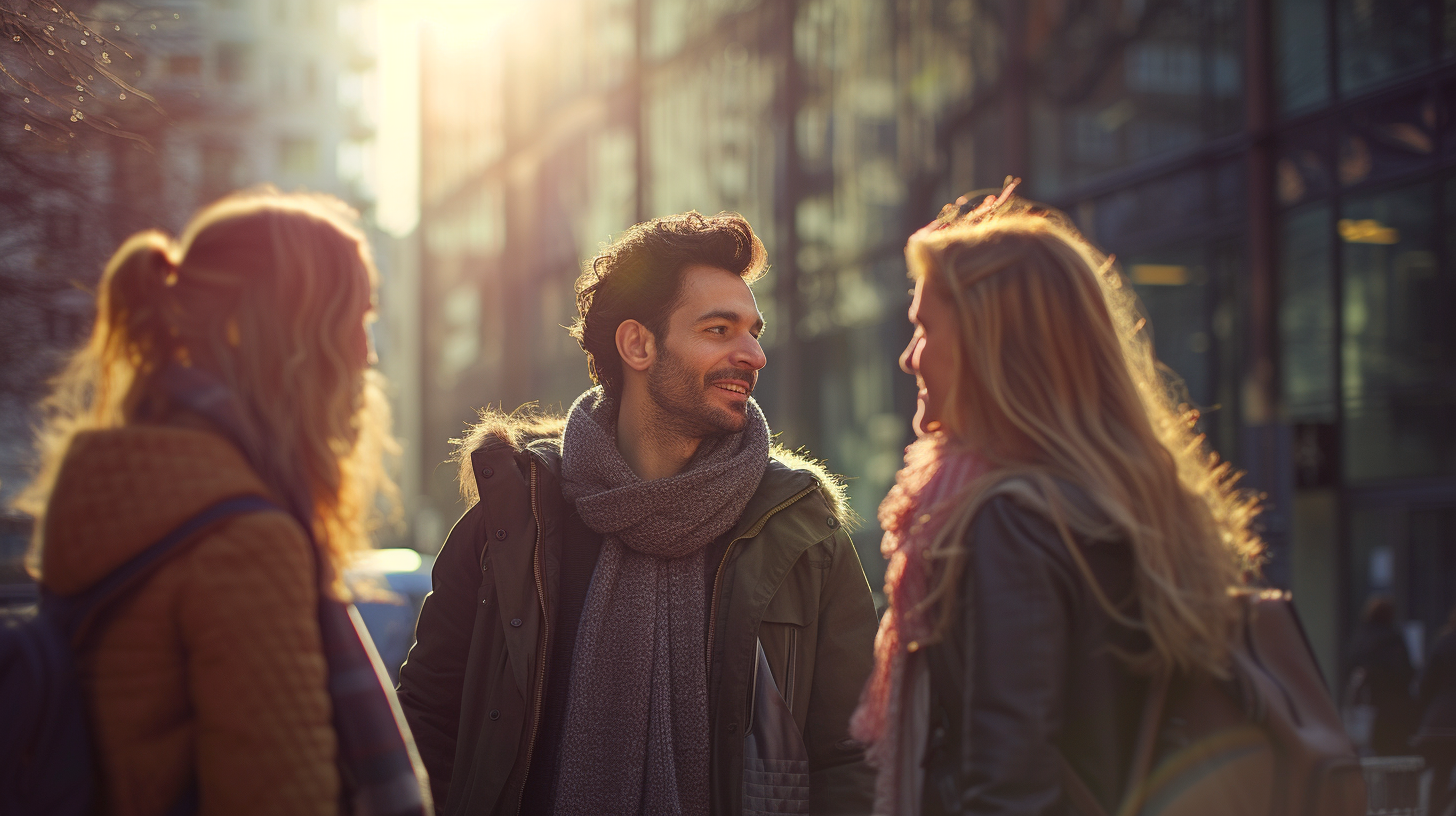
(926, 496)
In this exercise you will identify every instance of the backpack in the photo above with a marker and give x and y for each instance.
(46, 761)
(1268, 741)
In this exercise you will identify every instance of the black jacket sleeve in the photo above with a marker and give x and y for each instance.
(1018, 602)
(841, 781)
(431, 680)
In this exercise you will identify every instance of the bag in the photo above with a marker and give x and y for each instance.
(1266, 742)
(775, 759)
(45, 740)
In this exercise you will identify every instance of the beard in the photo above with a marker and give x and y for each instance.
(683, 400)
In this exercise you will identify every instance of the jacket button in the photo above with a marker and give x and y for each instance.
(500, 535)
(486, 473)
(733, 728)
(515, 621)
(832, 521)
(495, 714)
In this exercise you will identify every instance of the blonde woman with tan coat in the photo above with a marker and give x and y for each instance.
(230, 362)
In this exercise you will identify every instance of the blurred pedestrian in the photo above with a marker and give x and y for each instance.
(1054, 536)
(1435, 738)
(1381, 676)
(229, 362)
(630, 579)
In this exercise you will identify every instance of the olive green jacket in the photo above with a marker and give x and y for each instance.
(474, 681)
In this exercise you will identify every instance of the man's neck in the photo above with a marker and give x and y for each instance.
(646, 439)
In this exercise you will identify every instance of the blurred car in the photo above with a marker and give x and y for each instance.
(389, 585)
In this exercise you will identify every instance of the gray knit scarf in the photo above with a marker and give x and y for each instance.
(636, 734)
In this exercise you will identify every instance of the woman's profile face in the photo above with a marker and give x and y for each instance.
(929, 356)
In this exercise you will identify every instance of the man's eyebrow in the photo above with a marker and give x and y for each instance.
(728, 315)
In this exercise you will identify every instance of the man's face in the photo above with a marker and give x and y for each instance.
(708, 357)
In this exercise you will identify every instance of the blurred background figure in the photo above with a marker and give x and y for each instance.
(233, 361)
(1380, 681)
(1436, 736)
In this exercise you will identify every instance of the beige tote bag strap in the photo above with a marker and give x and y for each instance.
(1076, 789)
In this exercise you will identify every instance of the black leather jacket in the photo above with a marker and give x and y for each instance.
(1038, 650)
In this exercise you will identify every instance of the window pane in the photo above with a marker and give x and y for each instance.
(1307, 316)
(1389, 138)
(1381, 38)
(1177, 82)
(1301, 46)
(1173, 286)
(232, 62)
(1374, 536)
(1432, 583)
(1305, 170)
(1227, 265)
(1399, 348)
(297, 157)
(1450, 17)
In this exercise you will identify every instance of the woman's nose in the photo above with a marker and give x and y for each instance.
(907, 357)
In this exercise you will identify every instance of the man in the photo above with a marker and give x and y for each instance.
(598, 618)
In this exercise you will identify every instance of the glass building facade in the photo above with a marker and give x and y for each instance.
(1274, 176)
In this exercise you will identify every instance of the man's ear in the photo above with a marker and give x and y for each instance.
(636, 345)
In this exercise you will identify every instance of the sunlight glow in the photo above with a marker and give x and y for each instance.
(397, 144)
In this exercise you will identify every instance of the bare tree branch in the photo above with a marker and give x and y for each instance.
(66, 70)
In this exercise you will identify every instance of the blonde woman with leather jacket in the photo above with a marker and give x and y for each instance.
(1056, 533)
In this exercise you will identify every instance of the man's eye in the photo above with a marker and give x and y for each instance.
(718, 329)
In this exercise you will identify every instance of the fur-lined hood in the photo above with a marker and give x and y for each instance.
(527, 428)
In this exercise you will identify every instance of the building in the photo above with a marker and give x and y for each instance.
(249, 91)
(1274, 176)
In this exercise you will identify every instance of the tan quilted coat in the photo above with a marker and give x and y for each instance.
(213, 668)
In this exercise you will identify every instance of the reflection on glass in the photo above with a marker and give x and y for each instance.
(1178, 82)
(1301, 52)
(1409, 555)
(1432, 566)
(1173, 286)
(1307, 316)
(1381, 38)
(1374, 533)
(1226, 265)
(1399, 345)
(1449, 15)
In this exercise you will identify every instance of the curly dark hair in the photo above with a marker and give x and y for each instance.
(639, 277)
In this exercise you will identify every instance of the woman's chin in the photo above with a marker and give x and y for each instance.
(922, 424)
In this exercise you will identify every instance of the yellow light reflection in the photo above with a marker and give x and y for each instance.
(1159, 274)
(1368, 231)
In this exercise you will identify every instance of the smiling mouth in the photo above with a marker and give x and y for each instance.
(732, 388)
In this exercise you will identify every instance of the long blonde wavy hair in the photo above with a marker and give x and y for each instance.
(266, 292)
(1056, 380)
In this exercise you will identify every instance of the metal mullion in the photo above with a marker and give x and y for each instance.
(1438, 30)
(1345, 577)
(1332, 49)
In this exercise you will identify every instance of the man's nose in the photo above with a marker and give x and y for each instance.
(750, 354)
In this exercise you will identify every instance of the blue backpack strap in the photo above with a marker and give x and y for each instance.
(79, 610)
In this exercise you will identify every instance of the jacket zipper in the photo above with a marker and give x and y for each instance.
(545, 643)
(790, 667)
(718, 575)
